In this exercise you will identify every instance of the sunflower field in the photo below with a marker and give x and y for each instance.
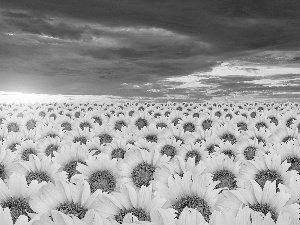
(148, 163)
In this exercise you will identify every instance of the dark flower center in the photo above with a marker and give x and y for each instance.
(31, 124)
(211, 148)
(161, 125)
(157, 115)
(229, 153)
(50, 149)
(176, 121)
(228, 115)
(139, 213)
(42, 114)
(264, 208)
(119, 125)
(118, 153)
(274, 120)
(151, 138)
(295, 163)
(177, 138)
(189, 127)
(260, 125)
(80, 139)
(192, 154)
(169, 150)
(70, 168)
(142, 174)
(13, 146)
(27, 152)
(17, 207)
(2, 172)
(97, 120)
(290, 121)
(228, 137)
(262, 176)
(260, 139)
(66, 126)
(52, 135)
(226, 177)
(287, 139)
(39, 176)
(140, 123)
(71, 208)
(53, 116)
(218, 114)
(242, 126)
(85, 125)
(193, 202)
(102, 180)
(13, 127)
(196, 115)
(207, 124)
(253, 114)
(77, 114)
(105, 138)
(249, 152)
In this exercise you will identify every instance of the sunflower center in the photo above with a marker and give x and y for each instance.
(260, 139)
(139, 213)
(253, 114)
(157, 115)
(192, 154)
(31, 124)
(42, 114)
(2, 172)
(142, 174)
(169, 150)
(161, 125)
(249, 152)
(85, 125)
(227, 179)
(196, 115)
(140, 123)
(290, 121)
(50, 149)
(264, 208)
(119, 125)
(176, 121)
(105, 138)
(262, 176)
(229, 137)
(80, 139)
(287, 139)
(207, 124)
(295, 163)
(151, 138)
(228, 115)
(1, 120)
(52, 135)
(218, 114)
(77, 115)
(70, 168)
(229, 153)
(71, 208)
(177, 138)
(17, 207)
(102, 180)
(242, 126)
(27, 152)
(66, 126)
(13, 146)
(38, 175)
(260, 125)
(193, 202)
(118, 153)
(13, 127)
(98, 120)
(211, 148)
(274, 120)
(189, 127)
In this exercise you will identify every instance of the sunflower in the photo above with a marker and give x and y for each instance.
(65, 123)
(288, 118)
(141, 119)
(262, 136)
(170, 147)
(211, 143)
(247, 149)
(152, 133)
(50, 145)
(117, 122)
(267, 167)
(197, 192)
(193, 150)
(100, 172)
(50, 130)
(94, 145)
(105, 134)
(284, 135)
(70, 156)
(228, 133)
(162, 122)
(31, 121)
(264, 200)
(175, 117)
(40, 169)
(226, 148)
(207, 121)
(16, 195)
(117, 148)
(140, 167)
(13, 124)
(7, 163)
(26, 148)
(77, 135)
(68, 198)
(224, 169)
(189, 124)
(138, 202)
(5, 218)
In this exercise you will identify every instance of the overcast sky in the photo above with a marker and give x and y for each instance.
(177, 49)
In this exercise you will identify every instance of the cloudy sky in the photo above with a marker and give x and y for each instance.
(162, 49)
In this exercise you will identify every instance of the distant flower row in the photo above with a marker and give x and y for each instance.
(150, 163)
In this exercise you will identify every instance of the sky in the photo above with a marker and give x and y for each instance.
(187, 50)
